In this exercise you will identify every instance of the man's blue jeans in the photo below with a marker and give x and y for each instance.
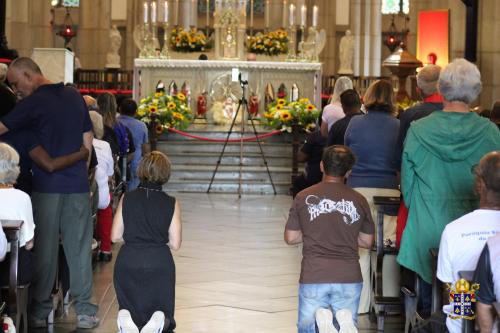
(333, 296)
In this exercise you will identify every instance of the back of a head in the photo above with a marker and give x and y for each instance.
(489, 171)
(380, 95)
(107, 108)
(427, 79)
(3, 72)
(25, 64)
(342, 84)
(350, 101)
(9, 164)
(337, 160)
(97, 124)
(154, 168)
(460, 81)
(128, 107)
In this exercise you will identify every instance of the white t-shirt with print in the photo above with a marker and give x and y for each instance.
(16, 205)
(461, 244)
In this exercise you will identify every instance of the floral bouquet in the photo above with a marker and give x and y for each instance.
(271, 43)
(165, 111)
(283, 114)
(188, 41)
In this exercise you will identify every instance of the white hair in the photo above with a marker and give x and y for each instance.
(460, 81)
(9, 164)
(342, 84)
(3, 72)
(97, 124)
(427, 79)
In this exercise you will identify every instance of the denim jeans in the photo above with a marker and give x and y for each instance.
(333, 296)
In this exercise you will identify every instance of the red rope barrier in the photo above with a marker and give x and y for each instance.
(246, 139)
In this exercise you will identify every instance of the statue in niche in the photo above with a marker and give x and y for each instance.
(346, 55)
(115, 41)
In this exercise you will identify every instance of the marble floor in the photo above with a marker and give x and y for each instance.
(234, 272)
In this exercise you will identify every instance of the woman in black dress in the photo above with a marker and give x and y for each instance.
(149, 222)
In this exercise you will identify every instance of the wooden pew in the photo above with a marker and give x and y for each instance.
(383, 302)
(18, 294)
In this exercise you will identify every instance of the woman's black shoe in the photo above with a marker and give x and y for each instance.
(106, 257)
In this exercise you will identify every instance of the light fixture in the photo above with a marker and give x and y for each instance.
(67, 32)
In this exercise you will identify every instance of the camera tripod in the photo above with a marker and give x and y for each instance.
(242, 104)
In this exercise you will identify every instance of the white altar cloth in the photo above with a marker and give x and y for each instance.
(200, 73)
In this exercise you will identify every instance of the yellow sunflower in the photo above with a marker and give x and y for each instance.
(281, 101)
(171, 106)
(181, 96)
(178, 116)
(304, 100)
(269, 115)
(279, 107)
(153, 108)
(310, 107)
(159, 129)
(159, 94)
(285, 116)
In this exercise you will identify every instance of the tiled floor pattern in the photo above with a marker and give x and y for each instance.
(234, 272)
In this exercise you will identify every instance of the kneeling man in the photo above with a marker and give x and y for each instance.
(332, 220)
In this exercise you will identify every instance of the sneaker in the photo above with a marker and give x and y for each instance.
(344, 318)
(155, 324)
(125, 322)
(86, 321)
(35, 322)
(8, 325)
(324, 320)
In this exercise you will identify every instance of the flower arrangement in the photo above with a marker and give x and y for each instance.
(188, 40)
(283, 114)
(165, 111)
(271, 43)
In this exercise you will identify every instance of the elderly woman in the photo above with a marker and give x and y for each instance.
(372, 138)
(149, 222)
(439, 151)
(15, 205)
(333, 111)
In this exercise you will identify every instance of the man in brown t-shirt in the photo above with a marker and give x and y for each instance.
(332, 220)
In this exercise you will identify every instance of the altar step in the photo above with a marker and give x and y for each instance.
(193, 164)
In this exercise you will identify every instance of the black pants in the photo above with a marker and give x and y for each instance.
(24, 270)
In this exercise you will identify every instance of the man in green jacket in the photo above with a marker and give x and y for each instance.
(439, 152)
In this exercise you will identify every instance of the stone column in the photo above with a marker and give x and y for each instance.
(376, 38)
(134, 18)
(367, 42)
(356, 25)
(93, 33)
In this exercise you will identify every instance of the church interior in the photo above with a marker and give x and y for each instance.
(232, 91)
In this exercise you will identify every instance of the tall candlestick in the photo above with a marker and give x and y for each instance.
(283, 16)
(251, 14)
(165, 11)
(153, 12)
(145, 12)
(267, 14)
(303, 16)
(176, 12)
(208, 14)
(292, 15)
(315, 16)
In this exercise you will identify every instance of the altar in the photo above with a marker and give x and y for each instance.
(203, 75)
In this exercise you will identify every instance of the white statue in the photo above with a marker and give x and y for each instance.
(346, 53)
(115, 41)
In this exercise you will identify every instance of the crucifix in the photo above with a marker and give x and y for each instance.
(471, 29)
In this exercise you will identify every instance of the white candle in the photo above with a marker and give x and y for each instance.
(283, 19)
(176, 12)
(165, 11)
(267, 14)
(315, 16)
(145, 12)
(251, 13)
(303, 16)
(153, 12)
(292, 15)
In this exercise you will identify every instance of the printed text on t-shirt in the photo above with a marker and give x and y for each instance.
(325, 206)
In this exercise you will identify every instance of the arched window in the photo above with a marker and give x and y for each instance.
(395, 6)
